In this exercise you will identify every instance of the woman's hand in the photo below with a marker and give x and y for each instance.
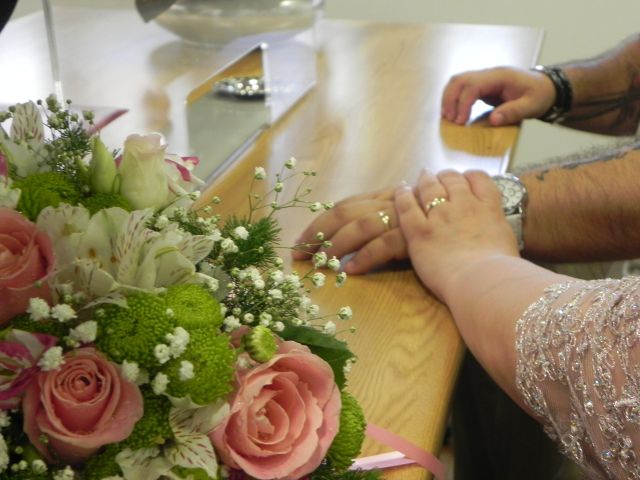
(517, 94)
(445, 238)
(365, 225)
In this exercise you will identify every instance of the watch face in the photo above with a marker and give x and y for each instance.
(513, 192)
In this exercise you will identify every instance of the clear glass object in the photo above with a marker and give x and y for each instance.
(217, 22)
(53, 50)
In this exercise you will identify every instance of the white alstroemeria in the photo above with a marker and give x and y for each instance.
(64, 226)
(24, 145)
(114, 250)
(9, 197)
(193, 448)
(143, 464)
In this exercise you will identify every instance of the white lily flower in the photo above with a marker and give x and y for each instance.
(114, 250)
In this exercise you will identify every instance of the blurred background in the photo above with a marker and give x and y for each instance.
(573, 29)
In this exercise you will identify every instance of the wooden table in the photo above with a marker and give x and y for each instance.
(372, 120)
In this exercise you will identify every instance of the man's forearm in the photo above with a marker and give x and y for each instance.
(606, 90)
(587, 210)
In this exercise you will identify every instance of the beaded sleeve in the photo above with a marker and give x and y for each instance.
(578, 370)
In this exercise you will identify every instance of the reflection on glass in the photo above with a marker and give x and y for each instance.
(53, 51)
(226, 113)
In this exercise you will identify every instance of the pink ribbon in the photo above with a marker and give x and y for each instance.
(406, 454)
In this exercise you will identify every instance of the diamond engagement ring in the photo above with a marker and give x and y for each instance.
(434, 203)
(386, 220)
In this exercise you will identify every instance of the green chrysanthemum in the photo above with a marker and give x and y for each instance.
(49, 326)
(193, 307)
(190, 473)
(348, 442)
(103, 465)
(213, 366)
(131, 333)
(100, 201)
(260, 343)
(153, 429)
(41, 190)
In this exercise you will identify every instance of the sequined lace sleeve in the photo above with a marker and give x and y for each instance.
(578, 370)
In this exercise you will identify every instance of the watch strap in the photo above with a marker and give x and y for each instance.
(515, 221)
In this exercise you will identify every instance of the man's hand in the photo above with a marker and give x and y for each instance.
(365, 225)
(517, 94)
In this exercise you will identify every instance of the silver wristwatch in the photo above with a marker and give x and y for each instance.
(514, 200)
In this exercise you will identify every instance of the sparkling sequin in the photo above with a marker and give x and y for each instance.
(576, 370)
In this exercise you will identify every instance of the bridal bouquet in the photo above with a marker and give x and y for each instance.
(143, 336)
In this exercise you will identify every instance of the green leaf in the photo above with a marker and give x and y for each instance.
(333, 351)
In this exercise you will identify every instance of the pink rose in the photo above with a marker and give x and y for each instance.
(81, 406)
(26, 260)
(284, 415)
(19, 355)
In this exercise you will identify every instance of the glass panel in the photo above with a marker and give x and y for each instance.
(112, 62)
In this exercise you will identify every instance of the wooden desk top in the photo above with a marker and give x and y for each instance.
(372, 120)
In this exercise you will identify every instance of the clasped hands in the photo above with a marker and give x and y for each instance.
(465, 223)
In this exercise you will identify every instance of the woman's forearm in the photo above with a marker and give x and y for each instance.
(486, 299)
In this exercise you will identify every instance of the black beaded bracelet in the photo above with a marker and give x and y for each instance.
(564, 93)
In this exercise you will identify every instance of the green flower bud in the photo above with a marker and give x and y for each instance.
(102, 169)
(260, 344)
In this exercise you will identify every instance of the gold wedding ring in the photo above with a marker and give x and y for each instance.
(385, 219)
(434, 203)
